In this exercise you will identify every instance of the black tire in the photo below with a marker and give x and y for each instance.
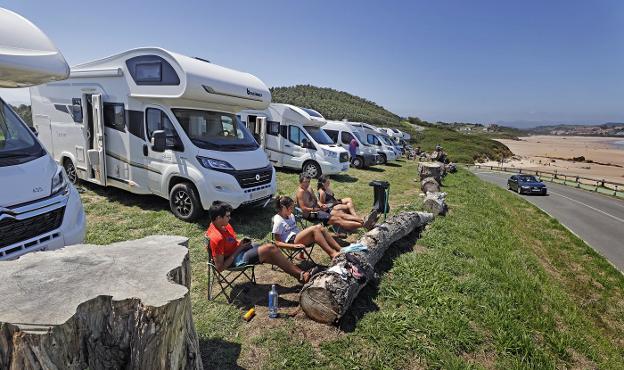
(184, 202)
(384, 159)
(70, 171)
(312, 169)
(358, 162)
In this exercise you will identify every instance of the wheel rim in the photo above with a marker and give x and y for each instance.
(357, 163)
(183, 204)
(70, 171)
(311, 171)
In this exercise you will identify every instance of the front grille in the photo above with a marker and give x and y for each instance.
(248, 179)
(13, 231)
(344, 157)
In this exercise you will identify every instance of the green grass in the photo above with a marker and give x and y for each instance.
(499, 284)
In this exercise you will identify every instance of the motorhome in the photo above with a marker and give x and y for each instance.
(151, 121)
(39, 208)
(373, 137)
(292, 137)
(341, 133)
(396, 133)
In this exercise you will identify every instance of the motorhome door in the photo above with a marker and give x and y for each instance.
(260, 130)
(97, 151)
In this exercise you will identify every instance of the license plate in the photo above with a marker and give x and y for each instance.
(258, 194)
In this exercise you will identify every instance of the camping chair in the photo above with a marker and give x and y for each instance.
(226, 278)
(292, 252)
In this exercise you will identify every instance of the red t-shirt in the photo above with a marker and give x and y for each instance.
(222, 242)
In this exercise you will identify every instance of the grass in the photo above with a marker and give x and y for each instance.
(495, 284)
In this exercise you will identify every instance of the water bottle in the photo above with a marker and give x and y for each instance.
(273, 305)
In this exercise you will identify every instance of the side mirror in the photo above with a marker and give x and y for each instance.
(34, 130)
(159, 141)
(305, 143)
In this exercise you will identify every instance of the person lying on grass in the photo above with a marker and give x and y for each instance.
(327, 198)
(227, 251)
(312, 210)
(287, 234)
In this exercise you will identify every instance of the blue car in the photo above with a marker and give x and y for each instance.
(526, 184)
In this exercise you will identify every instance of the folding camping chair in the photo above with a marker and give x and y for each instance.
(226, 278)
(292, 252)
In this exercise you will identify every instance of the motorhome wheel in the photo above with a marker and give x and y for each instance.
(184, 202)
(70, 171)
(312, 169)
(358, 162)
(383, 159)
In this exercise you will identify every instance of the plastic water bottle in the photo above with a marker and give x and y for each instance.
(273, 302)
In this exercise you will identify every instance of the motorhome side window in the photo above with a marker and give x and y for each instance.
(273, 128)
(296, 135)
(346, 137)
(115, 116)
(158, 120)
(371, 139)
(76, 110)
(333, 134)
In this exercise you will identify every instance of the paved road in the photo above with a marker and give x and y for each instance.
(595, 218)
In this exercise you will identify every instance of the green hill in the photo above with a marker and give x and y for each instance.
(335, 105)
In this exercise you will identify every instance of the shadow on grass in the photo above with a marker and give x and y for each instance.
(374, 169)
(219, 354)
(344, 178)
(365, 301)
(145, 202)
(390, 164)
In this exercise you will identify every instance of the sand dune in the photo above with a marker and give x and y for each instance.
(544, 153)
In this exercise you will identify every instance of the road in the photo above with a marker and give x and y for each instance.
(597, 219)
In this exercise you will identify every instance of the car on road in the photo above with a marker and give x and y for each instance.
(526, 184)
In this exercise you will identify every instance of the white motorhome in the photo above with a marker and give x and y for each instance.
(341, 133)
(292, 137)
(396, 133)
(151, 121)
(39, 208)
(373, 137)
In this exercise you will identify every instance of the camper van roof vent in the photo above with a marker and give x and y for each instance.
(202, 59)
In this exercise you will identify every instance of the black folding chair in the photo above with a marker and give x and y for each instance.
(226, 278)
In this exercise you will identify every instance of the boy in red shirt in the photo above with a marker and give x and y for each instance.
(228, 251)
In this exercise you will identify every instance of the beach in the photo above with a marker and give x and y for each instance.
(550, 153)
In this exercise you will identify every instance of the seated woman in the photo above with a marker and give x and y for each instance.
(287, 234)
(306, 200)
(327, 197)
(228, 251)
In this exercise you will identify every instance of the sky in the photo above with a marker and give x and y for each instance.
(517, 62)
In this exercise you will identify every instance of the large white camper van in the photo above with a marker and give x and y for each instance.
(341, 133)
(151, 121)
(375, 138)
(292, 137)
(39, 209)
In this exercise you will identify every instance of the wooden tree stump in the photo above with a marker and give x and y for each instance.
(329, 294)
(122, 306)
(429, 185)
(435, 202)
(431, 169)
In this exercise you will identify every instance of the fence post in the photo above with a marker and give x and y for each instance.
(596, 189)
(565, 179)
(615, 192)
(578, 184)
(555, 175)
(602, 183)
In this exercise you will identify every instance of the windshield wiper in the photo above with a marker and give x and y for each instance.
(15, 155)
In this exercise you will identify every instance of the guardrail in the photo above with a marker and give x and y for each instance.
(587, 183)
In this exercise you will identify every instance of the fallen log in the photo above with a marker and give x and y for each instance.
(431, 169)
(429, 185)
(329, 294)
(122, 306)
(435, 203)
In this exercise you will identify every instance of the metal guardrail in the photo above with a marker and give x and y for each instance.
(588, 183)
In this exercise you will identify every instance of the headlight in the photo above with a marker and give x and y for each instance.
(330, 154)
(215, 164)
(525, 187)
(59, 182)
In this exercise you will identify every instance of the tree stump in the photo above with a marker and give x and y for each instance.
(431, 169)
(329, 294)
(429, 185)
(122, 306)
(436, 203)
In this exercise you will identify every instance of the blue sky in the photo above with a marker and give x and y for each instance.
(471, 61)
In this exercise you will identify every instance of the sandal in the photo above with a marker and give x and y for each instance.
(302, 279)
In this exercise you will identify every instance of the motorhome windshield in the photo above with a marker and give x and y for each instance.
(359, 137)
(318, 135)
(387, 141)
(215, 130)
(17, 142)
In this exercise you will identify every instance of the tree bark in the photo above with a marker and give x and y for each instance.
(436, 203)
(429, 185)
(122, 306)
(431, 169)
(329, 294)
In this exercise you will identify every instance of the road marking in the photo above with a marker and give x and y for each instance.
(588, 206)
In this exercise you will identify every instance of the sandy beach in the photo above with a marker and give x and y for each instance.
(545, 153)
